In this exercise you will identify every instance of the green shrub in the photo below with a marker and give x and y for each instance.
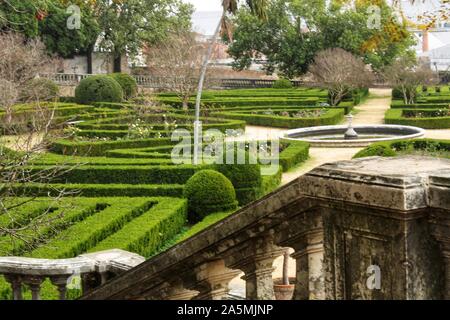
(436, 148)
(396, 116)
(331, 117)
(128, 84)
(282, 84)
(148, 232)
(246, 179)
(209, 191)
(241, 175)
(376, 150)
(99, 88)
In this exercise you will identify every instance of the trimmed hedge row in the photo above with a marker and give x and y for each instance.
(396, 116)
(146, 234)
(394, 148)
(68, 147)
(103, 190)
(399, 104)
(332, 117)
(236, 102)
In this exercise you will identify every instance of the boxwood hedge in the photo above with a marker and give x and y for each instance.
(332, 117)
(396, 116)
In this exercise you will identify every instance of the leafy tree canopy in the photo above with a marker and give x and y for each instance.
(296, 30)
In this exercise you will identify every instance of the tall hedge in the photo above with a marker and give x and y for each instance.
(100, 88)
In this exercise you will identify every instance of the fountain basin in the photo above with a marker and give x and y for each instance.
(333, 136)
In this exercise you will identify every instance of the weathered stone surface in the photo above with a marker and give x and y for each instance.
(354, 226)
(32, 272)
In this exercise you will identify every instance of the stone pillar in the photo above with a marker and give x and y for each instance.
(213, 280)
(61, 284)
(377, 240)
(34, 282)
(16, 285)
(256, 261)
(309, 255)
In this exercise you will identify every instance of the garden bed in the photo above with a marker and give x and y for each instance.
(424, 118)
(287, 118)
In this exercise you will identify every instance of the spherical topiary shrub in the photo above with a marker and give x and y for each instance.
(128, 84)
(100, 88)
(42, 89)
(209, 191)
(282, 84)
(377, 150)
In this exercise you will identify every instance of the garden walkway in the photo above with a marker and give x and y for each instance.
(370, 112)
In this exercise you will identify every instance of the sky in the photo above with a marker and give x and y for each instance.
(207, 15)
(208, 12)
(206, 5)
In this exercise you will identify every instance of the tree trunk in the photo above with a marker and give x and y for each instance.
(186, 103)
(117, 62)
(200, 89)
(89, 59)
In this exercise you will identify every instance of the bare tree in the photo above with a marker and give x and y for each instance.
(178, 61)
(21, 62)
(29, 128)
(406, 75)
(340, 72)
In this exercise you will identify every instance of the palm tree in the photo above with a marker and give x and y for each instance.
(258, 8)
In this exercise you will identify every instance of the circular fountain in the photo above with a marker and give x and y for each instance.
(352, 136)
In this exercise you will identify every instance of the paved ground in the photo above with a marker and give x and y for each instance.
(370, 112)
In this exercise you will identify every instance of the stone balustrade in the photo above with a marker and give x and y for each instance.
(374, 228)
(94, 269)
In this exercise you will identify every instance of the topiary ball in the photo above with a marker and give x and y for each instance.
(209, 191)
(128, 84)
(99, 88)
(282, 84)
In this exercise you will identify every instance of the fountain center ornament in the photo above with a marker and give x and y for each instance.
(350, 134)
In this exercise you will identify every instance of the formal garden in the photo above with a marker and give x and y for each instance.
(115, 165)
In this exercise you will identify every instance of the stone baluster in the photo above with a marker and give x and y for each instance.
(61, 284)
(16, 285)
(34, 283)
(213, 280)
(309, 254)
(256, 261)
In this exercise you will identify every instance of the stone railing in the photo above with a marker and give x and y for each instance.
(94, 269)
(374, 228)
(67, 79)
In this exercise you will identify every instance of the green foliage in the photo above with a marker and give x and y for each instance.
(377, 150)
(282, 84)
(63, 41)
(147, 233)
(430, 147)
(331, 117)
(246, 180)
(98, 88)
(397, 116)
(128, 84)
(209, 191)
(293, 49)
